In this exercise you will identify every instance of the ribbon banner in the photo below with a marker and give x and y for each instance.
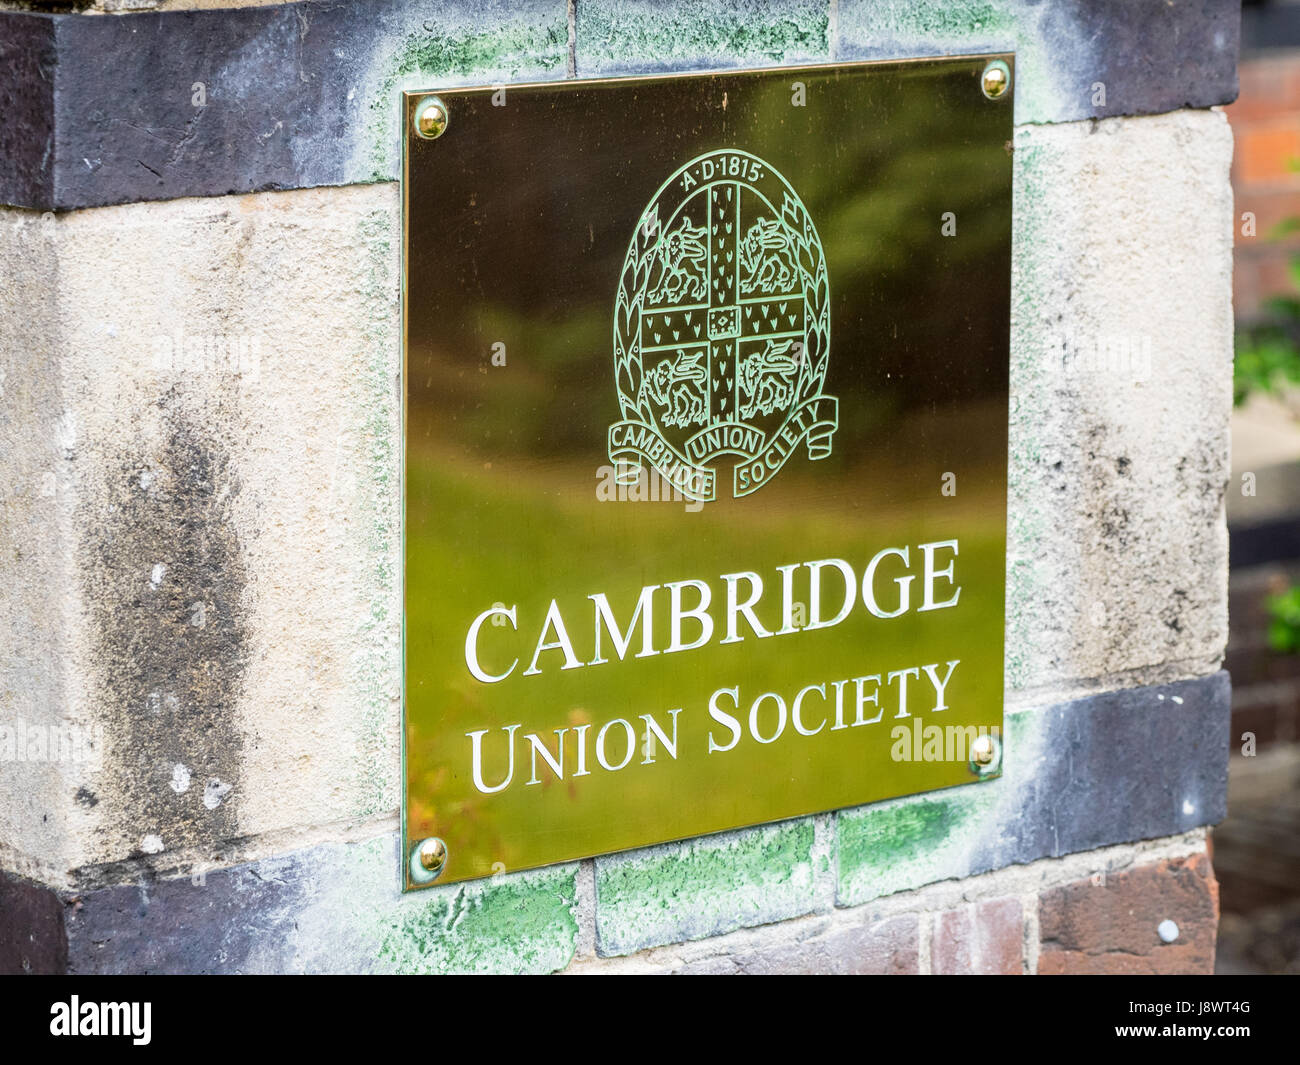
(631, 442)
(813, 421)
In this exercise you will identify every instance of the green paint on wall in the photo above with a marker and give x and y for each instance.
(515, 51)
(936, 18)
(376, 451)
(517, 924)
(902, 844)
(659, 35)
(706, 887)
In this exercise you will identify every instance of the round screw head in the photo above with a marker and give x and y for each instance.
(996, 79)
(428, 859)
(431, 118)
(985, 755)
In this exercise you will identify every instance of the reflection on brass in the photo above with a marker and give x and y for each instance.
(431, 118)
(996, 79)
(705, 454)
(427, 860)
(985, 754)
(433, 852)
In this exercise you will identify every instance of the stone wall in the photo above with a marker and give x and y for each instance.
(202, 564)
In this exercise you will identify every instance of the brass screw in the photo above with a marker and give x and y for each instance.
(431, 118)
(428, 859)
(985, 755)
(996, 79)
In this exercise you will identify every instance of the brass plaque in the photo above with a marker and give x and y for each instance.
(706, 451)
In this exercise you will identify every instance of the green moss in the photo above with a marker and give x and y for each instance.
(1032, 416)
(517, 50)
(903, 844)
(940, 18)
(706, 887)
(376, 459)
(621, 34)
(902, 834)
(508, 49)
(517, 924)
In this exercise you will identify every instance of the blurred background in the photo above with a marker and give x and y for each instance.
(1257, 849)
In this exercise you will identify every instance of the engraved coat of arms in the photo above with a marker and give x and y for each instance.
(721, 330)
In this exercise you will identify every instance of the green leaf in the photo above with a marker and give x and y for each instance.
(1285, 228)
(1283, 307)
(1284, 620)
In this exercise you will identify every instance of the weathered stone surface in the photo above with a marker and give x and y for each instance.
(333, 908)
(708, 886)
(857, 943)
(1109, 924)
(887, 947)
(39, 810)
(1127, 765)
(615, 37)
(1121, 386)
(981, 938)
(305, 94)
(201, 541)
(295, 644)
(202, 461)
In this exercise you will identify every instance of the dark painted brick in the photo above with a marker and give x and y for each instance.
(1143, 763)
(332, 908)
(32, 934)
(27, 55)
(306, 94)
(1135, 764)
(297, 95)
(1151, 55)
(176, 925)
(1167, 53)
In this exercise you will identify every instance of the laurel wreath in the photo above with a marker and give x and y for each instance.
(637, 264)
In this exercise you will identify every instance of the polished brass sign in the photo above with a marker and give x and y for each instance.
(706, 441)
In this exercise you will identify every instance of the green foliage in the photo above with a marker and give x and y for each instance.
(1267, 358)
(1268, 355)
(1284, 620)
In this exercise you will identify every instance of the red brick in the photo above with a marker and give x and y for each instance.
(1270, 207)
(1268, 86)
(1266, 153)
(985, 938)
(873, 948)
(1108, 924)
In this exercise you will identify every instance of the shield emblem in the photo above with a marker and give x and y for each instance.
(722, 330)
